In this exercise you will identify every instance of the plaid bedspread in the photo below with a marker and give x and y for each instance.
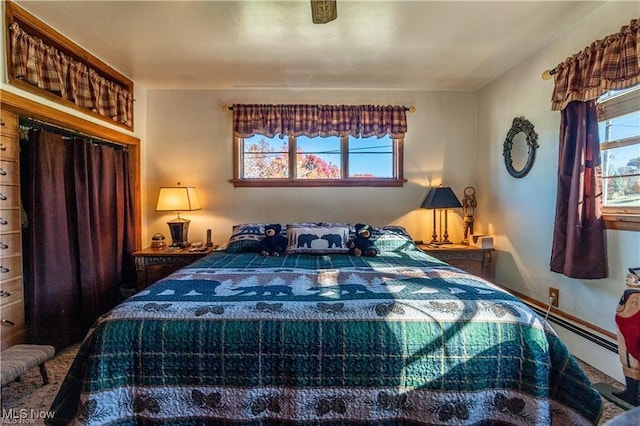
(397, 339)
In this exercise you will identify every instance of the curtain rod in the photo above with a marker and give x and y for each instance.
(228, 108)
(34, 123)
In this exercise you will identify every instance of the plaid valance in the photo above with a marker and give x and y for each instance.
(319, 120)
(609, 64)
(46, 67)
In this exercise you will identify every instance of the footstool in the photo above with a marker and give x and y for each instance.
(18, 359)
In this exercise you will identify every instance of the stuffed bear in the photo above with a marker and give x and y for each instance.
(273, 244)
(362, 245)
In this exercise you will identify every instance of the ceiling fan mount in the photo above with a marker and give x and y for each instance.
(323, 11)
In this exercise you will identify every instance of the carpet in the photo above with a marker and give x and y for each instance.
(31, 395)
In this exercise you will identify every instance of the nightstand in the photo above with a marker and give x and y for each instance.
(153, 264)
(474, 260)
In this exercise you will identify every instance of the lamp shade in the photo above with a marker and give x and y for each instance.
(178, 198)
(441, 197)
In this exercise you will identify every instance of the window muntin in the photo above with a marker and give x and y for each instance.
(619, 133)
(318, 161)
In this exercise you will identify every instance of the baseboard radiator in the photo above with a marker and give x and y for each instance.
(580, 330)
(579, 327)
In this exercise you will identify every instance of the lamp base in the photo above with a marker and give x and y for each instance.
(179, 228)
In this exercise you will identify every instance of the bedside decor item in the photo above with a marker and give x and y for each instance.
(157, 241)
(469, 204)
(530, 137)
(178, 198)
(440, 198)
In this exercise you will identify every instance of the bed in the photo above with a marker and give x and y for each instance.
(324, 338)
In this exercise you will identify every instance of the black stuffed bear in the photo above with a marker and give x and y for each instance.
(362, 245)
(273, 244)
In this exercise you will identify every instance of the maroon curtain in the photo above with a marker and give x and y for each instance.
(80, 233)
(578, 238)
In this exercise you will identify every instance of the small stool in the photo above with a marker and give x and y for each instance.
(18, 359)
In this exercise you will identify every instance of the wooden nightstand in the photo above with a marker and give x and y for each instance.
(474, 260)
(153, 264)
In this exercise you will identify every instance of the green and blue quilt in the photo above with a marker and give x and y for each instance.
(400, 338)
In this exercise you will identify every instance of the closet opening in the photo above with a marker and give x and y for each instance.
(78, 229)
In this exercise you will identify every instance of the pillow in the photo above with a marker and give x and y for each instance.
(317, 239)
(392, 238)
(246, 237)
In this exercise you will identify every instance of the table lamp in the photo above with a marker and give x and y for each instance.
(440, 198)
(178, 198)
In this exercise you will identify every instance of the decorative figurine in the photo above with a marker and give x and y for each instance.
(628, 327)
(273, 243)
(362, 245)
(469, 205)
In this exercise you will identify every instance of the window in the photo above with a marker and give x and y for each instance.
(619, 129)
(318, 161)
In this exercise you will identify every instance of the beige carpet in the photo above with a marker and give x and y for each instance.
(31, 394)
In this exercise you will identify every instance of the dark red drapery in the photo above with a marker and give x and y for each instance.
(80, 233)
(579, 249)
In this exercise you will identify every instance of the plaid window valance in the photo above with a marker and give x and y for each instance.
(48, 68)
(319, 120)
(609, 64)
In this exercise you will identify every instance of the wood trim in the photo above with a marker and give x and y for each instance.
(622, 222)
(36, 28)
(398, 168)
(23, 106)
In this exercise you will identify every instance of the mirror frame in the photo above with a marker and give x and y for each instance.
(520, 124)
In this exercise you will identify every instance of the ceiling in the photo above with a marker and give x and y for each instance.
(395, 45)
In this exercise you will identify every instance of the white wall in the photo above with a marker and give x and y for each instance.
(190, 141)
(520, 212)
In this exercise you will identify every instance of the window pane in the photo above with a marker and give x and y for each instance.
(622, 166)
(318, 158)
(622, 192)
(621, 127)
(265, 158)
(371, 157)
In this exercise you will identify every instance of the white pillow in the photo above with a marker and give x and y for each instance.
(317, 239)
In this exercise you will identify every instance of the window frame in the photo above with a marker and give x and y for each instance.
(616, 217)
(397, 181)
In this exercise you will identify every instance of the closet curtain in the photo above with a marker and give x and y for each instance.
(80, 234)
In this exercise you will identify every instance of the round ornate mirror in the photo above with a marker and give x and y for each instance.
(519, 149)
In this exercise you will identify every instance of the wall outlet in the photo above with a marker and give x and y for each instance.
(555, 293)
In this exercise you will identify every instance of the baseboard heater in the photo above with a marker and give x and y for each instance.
(580, 331)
